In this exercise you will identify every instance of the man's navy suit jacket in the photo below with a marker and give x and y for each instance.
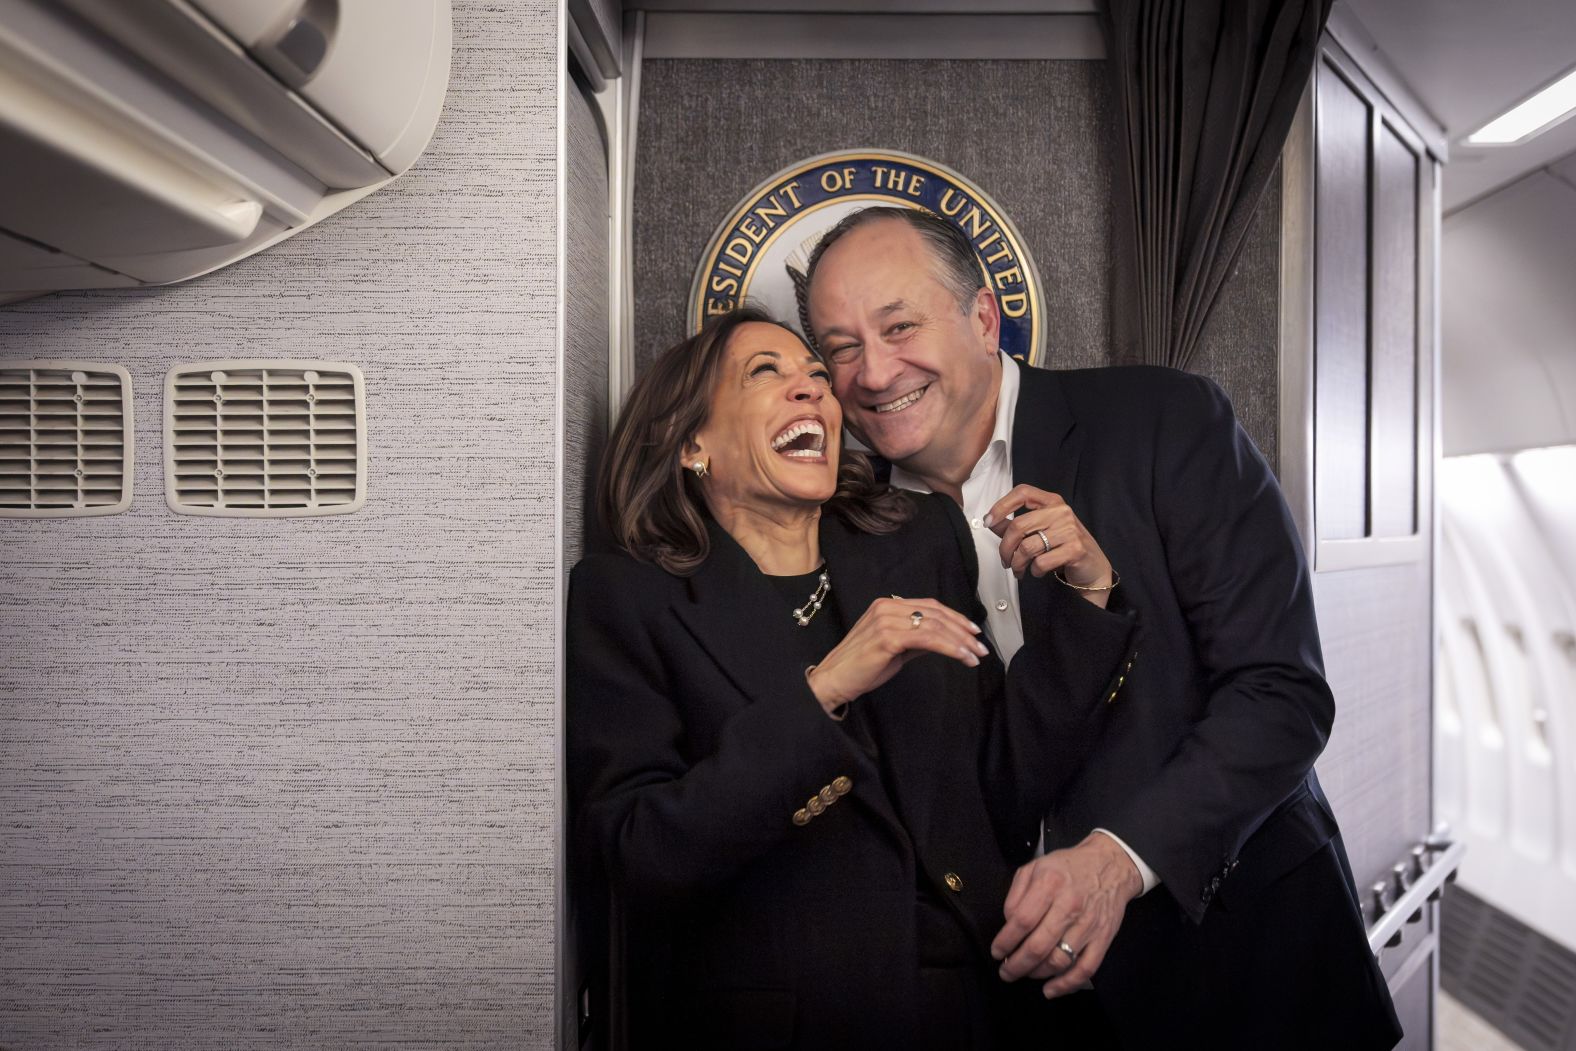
(1206, 766)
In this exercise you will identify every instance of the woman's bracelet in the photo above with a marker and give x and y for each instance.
(837, 714)
(1116, 578)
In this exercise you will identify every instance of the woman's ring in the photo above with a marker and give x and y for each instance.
(914, 618)
(1044, 540)
(1072, 957)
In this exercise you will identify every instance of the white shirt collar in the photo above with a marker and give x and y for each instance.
(1006, 402)
(1001, 437)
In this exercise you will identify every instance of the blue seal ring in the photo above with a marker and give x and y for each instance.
(827, 187)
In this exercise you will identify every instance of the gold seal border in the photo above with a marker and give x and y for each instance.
(718, 238)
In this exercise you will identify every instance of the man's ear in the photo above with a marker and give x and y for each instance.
(985, 318)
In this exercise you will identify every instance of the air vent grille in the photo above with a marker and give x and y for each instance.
(1515, 977)
(265, 438)
(65, 439)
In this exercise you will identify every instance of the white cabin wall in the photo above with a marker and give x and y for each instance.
(1508, 318)
(1507, 741)
(1507, 737)
(294, 783)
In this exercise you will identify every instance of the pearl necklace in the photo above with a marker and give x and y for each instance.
(803, 614)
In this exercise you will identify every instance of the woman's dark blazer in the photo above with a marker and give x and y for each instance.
(694, 740)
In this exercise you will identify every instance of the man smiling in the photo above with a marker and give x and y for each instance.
(1193, 869)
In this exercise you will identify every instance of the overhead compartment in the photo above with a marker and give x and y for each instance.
(145, 143)
(363, 64)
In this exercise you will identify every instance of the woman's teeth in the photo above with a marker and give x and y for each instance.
(905, 401)
(810, 448)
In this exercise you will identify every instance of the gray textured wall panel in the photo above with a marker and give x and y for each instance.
(1376, 628)
(586, 336)
(1240, 345)
(1028, 133)
(1031, 134)
(586, 318)
(291, 784)
(1377, 619)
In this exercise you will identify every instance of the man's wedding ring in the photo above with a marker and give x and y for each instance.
(1044, 540)
(1072, 956)
(914, 618)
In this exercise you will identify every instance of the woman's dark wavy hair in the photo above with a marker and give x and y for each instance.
(652, 507)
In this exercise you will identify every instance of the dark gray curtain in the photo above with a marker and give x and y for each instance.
(1204, 94)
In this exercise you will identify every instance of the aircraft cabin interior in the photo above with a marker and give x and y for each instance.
(316, 321)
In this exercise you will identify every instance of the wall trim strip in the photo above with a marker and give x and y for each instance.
(695, 35)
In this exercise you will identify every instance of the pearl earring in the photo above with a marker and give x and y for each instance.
(700, 468)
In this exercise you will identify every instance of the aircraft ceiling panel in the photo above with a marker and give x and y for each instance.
(1468, 62)
(1565, 169)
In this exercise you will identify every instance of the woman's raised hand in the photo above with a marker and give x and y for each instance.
(892, 632)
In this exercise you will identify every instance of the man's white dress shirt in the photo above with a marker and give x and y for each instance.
(991, 480)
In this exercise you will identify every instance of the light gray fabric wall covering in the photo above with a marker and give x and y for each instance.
(1029, 133)
(291, 784)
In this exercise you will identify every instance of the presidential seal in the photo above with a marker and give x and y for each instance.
(761, 251)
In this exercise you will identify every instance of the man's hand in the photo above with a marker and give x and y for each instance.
(1076, 897)
(1046, 536)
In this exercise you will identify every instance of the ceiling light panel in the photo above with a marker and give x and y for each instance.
(1539, 113)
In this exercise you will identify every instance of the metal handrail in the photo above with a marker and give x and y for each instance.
(1413, 884)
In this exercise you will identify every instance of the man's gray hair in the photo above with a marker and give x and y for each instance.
(957, 264)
